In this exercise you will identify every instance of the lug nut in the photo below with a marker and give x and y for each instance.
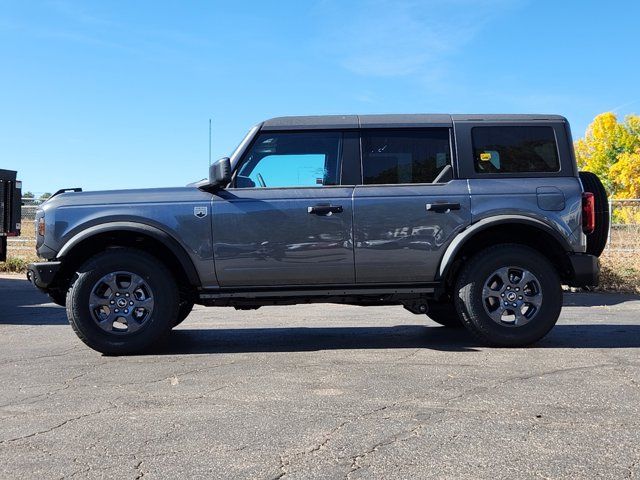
(116, 310)
(112, 302)
(126, 310)
(520, 297)
(131, 303)
(502, 295)
(117, 294)
(126, 294)
(515, 305)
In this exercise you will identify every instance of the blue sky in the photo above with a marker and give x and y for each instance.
(118, 94)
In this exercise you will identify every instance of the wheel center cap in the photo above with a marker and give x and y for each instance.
(511, 296)
(121, 303)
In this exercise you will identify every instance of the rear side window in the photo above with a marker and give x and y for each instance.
(514, 149)
(404, 156)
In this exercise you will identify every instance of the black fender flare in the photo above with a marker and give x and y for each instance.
(465, 235)
(154, 232)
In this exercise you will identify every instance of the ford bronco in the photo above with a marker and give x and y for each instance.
(472, 220)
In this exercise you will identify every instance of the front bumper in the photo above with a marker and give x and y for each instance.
(42, 274)
(586, 270)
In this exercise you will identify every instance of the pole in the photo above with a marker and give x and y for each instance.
(209, 142)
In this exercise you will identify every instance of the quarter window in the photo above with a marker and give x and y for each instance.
(404, 156)
(514, 149)
(303, 159)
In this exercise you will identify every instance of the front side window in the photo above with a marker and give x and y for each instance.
(297, 159)
(514, 149)
(404, 156)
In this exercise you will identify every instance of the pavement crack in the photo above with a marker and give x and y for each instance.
(398, 437)
(285, 460)
(55, 427)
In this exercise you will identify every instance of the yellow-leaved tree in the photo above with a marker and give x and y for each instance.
(611, 150)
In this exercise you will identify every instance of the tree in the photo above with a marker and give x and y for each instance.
(611, 150)
(44, 196)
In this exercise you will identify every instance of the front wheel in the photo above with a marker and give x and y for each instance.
(123, 301)
(509, 295)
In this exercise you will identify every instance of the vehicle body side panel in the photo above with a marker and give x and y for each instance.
(171, 210)
(266, 236)
(396, 238)
(520, 196)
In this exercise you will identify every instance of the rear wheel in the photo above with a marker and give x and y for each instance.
(509, 295)
(444, 314)
(597, 240)
(123, 301)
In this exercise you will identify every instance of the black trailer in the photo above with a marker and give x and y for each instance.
(10, 209)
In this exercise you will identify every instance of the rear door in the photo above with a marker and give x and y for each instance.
(287, 219)
(409, 205)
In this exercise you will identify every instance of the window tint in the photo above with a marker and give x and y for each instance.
(404, 156)
(514, 149)
(303, 159)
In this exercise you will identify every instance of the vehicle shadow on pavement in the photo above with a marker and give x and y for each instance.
(597, 299)
(301, 339)
(22, 304)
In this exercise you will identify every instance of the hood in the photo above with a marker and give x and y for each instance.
(133, 196)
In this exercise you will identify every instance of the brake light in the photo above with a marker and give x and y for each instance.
(588, 213)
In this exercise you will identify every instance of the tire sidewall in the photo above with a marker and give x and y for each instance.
(470, 303)
(158, 279)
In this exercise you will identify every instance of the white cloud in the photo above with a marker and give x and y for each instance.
(387, 38)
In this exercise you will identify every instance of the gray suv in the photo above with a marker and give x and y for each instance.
(473, 220)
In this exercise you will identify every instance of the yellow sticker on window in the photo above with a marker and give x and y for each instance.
(485, 156)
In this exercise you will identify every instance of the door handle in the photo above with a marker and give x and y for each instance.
(324, 210)
(442, 207)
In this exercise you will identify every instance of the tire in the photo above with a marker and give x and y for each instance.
(475, 304)
(444, 314)
(597, 240)
(184, 309)
(155, 302)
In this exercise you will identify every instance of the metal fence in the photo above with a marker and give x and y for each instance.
(624, 234)
(29, 207)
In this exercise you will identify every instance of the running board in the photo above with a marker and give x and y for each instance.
(327, 291)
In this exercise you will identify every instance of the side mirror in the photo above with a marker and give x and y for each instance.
(220, 172)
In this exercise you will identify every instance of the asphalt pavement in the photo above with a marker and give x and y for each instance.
(321, 391)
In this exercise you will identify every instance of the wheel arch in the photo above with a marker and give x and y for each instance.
(128, 234)
(506, 229)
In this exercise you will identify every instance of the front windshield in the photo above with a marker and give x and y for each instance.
(236, 152)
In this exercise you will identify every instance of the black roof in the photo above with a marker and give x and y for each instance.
(394, 120)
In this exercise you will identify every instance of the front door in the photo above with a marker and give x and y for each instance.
(409, 206)
(286, 219)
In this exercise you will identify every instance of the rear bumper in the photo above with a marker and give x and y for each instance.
(42, 274)
(586, 270)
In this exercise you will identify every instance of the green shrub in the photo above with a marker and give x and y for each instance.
(14, 264)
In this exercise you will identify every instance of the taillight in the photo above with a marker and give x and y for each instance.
(41, 227)
(588, 213)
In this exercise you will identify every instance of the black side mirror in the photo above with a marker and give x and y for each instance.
(220, 172)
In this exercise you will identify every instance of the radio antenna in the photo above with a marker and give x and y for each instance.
(209, 142)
